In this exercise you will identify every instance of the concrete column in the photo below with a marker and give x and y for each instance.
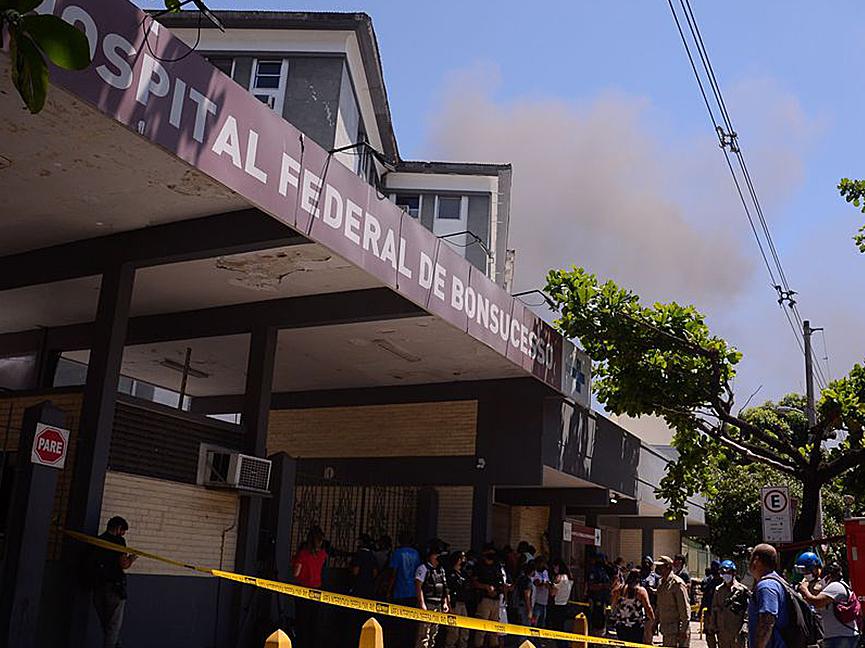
(100, 396)
(277, 520)
(279, 514)
(46, 365)
(554, 529)
(254, 417)
(94, 435)
(26, 542)
(427, 516)
(649, 542)
(482, 515)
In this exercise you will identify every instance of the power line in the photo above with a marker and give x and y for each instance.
(784, 291)
(729, 145)
(726, 155)
(826, 355)
(731, 134)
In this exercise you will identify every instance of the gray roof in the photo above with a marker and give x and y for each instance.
(455, 168)
(360, 23)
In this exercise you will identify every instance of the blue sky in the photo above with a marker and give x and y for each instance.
(616, 166)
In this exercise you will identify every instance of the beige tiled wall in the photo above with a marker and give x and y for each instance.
(411, 429)
(183, 522)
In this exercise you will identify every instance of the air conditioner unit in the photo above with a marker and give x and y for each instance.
(233, 470)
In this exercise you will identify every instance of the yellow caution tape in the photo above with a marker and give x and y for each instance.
(366, 605)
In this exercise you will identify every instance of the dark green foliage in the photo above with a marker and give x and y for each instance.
(32, 37)
(663, 360)
(853, 191)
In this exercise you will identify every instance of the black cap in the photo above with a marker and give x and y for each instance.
(436, 546)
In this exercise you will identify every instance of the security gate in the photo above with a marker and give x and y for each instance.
(344, 511)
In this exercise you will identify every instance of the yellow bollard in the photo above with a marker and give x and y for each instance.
(278, 640)
(527, 644)
(581, 627)
(371, 635)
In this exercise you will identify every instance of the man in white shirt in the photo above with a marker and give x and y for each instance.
(540, 592)
(836, 633)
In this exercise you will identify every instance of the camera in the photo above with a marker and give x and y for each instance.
(738, 601)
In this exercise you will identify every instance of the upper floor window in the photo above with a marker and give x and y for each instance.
(409, 204)
(451, 218)
(450, 208)
(223, 63)
(267, 82)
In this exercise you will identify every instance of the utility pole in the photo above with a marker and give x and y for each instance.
(811, 410)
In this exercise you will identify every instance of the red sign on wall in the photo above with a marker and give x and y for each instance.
(585, 535)
(50, 446)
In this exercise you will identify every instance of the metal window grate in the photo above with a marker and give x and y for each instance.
(254, 473)
(344, 511)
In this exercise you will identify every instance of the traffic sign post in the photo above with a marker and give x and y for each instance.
(29, 522)
(50, 445)
(777, 514)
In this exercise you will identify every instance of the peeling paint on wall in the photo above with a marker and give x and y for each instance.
(265, 271)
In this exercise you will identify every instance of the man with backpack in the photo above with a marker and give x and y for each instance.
(768, 609)
(778, 616)
(839, 609)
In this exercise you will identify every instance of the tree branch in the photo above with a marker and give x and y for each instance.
(771, 441)
(849, 460)
(758, 458)
(691, 345)
(751, 451)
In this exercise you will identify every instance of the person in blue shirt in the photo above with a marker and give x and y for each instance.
(403, 564)
(767, 608)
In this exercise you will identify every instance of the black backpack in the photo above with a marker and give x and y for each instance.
(804, 627)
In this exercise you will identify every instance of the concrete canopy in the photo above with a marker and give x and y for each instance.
(95, 177)
(100, 179)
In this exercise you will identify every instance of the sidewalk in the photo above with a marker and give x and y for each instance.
(697, 641)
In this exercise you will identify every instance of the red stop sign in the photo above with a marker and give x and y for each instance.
(50, 446)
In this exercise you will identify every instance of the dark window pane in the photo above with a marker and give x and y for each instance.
(410, 204)
(266, 82)
(222, 63)
(270, 67)
(449, 207)
(266, 99)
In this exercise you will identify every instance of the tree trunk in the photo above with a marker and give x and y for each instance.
(804, 527)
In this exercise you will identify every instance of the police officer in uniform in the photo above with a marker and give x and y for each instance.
(674, 607)
(727, 619)
(432, 593)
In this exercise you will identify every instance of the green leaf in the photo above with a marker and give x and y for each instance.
(172, 5)
(21, 6)
(29, 71)
(66, 46)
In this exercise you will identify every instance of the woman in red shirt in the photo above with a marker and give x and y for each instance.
(308, 565)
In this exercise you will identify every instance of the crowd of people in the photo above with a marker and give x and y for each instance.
(636, 604)
(519, 585)
(497, 584)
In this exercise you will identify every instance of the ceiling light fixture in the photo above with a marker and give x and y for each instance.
(176, 366)
(390, 347)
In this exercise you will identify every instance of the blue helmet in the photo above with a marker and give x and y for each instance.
(728, 566)
(807, 562)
